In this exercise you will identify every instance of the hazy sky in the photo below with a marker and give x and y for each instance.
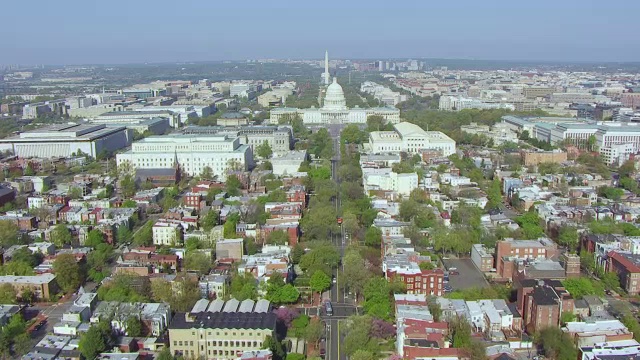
(118, 31)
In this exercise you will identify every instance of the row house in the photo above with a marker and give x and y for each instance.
(262, 266)
(418, 281)
(24, 221)
(290, 211)
(292, 228)
(145, 257)
(194, 200)
(297, 193)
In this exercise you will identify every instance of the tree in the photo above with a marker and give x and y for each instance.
(377, 298)
(144, 235)
(556, 344)
(207, 173)
(60, 235)
(494, 195)
(9, 233)
(210, 220)
(280, 293)
(323, 258)
(69, 275)
(94, 238)
(243, 286)
(264, 150)
(627, 169)
(375, 123)
(128, 186)
(250, 246)
(93, 342)
(524, 135)
(278, 237)
(460, 332)
(352, 134)
(362, 355)
(319, 282)
(21, 344)
(434, 308)
(165, 354)
(229, 227)
(134, 326)
(373, 237)
(355, 271)
(7, 294)
(568, 236)
(581, 286)
(566, 317)
(296, 253)
(129, 204)
(233, 185)
(313, 331)
(123, 234)
(275, 346)
(197, 261)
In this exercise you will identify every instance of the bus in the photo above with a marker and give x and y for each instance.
(328, 308)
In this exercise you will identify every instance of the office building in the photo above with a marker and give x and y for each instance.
(65, 140)
(411, 138)
(191, 153)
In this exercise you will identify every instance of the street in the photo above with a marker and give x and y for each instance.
(341, 308)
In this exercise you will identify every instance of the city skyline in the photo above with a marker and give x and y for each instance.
(87, 33)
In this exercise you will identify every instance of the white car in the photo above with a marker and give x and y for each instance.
(335, 280)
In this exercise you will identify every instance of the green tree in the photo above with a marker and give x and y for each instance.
(123, 234)
(296, 253)
(278, 237)
(165, 354)
(319, 282)
(362, 355)
(128, 186)
(129, 204)
(494, 194)
(243, 286)
(323, 258)
(566, 317)
(627, 169)
(60, 235)
(264, 150)
(94, 238)
(69, 274)
(144, 235)
(434, 308)
(581, 286)
(134, 326)
(352, 134)
(556, 344)
(9, 233)
(197, 261)
(93, 342)
(568, 236)
(7, 294)
(355, 271)
(207, 173)
(250, 246)
(233, 185)
(373, 237)
(230, 225)
(313, 331)
(209, 220)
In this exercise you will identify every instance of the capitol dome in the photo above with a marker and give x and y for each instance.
(334, 98)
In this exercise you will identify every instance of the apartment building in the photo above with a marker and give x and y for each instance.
(221, 330)
(627, 266)
(42, 286)
(510, 250)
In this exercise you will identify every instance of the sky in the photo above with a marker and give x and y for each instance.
(139, 31)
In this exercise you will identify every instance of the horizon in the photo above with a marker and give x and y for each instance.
(571, 31)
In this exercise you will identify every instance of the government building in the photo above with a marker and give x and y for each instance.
(192, 153)
(334, 109)
(65, 140)
(410, 138)
(280, 138)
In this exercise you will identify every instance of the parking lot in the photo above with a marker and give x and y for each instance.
(469, 276)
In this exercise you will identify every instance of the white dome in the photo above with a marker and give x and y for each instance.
(334, 98)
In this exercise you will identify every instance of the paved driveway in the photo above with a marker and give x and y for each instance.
(469, 276)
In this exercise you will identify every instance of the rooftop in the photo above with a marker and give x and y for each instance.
(225, 320)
